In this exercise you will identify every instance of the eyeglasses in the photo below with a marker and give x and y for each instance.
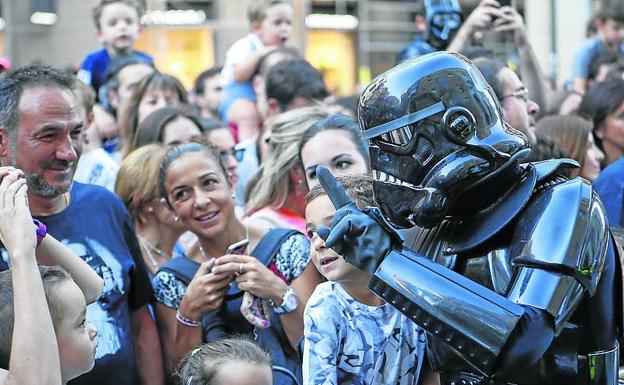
(237, 153)
(522, 94)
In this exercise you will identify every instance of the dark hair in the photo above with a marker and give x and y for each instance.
(201, 365)
(209, 124)
(616, 73)
(613, 11)
(119, 63)
(51, 277)
(490, 70)
(337, 122)
(129, 119)
(358, 187)
(474, 52)
(111, 81)
(602, 99)
(197, 144)
(606, 57)
(97, 10)
(291, 78)
(273, 57)
(198, 86)
(13, 84)
(151, 129)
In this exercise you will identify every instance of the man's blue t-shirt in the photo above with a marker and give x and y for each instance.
(610, 188)
(97, 227)
(93, 68)
(584, 55)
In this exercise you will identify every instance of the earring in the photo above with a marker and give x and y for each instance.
(233, 196)
(176, 218)
(150, 209)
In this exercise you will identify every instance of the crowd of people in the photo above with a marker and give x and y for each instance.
(157, 235)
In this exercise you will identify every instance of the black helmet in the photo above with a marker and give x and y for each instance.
(444, 18)
(436, 132)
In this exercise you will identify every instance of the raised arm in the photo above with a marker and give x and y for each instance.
(52, 252)
(246, 68)
(34, 350)
(479, 20)
(532, 76)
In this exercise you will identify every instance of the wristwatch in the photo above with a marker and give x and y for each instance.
(289, 302)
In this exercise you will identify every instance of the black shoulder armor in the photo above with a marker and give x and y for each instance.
(546, 168)
(564, 229)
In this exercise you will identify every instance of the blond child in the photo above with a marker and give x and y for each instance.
(351, 336)
(117, 24)
(270, 28)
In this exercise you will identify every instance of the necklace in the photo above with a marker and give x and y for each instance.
(201, 249)
(149, 247)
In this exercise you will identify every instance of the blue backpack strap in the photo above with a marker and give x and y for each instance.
(183, 268)
(286, 363)
(270, 244)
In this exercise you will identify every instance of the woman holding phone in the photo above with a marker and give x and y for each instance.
(194, 184)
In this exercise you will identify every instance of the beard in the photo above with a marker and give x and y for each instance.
(38, 184)
(35, 180)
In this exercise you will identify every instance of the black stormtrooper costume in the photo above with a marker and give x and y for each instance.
(513, 272)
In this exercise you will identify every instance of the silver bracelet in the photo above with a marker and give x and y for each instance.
(187, 322)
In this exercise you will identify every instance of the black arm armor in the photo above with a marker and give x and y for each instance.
(559, 248)
(472, 320)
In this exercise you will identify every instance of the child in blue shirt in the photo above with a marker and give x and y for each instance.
(271, 22)
(351, 336)
(117, 24)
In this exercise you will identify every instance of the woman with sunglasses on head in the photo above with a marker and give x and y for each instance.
(194, 182)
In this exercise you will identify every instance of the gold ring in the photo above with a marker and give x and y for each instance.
(240, 269)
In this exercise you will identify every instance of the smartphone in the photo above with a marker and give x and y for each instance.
(238, 247)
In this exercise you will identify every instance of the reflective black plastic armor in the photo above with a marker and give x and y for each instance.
(501, 251)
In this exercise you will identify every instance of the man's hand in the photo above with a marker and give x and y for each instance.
(355, 234)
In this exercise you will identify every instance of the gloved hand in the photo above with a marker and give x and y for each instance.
(362, 237)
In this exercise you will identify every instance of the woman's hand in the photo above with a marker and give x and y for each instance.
(252, 276)
(205, 292)
(17, 231)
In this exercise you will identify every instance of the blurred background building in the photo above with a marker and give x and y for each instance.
(350, 41)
